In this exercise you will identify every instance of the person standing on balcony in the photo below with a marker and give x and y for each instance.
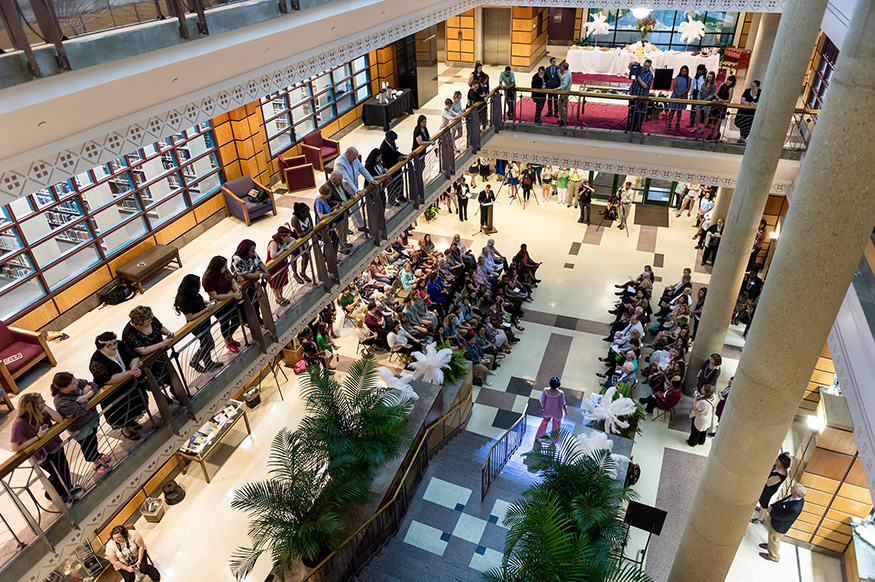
(695, 87)
(350, 166)
(71, 397)
(539, 81)
(554, 79)
(564, 85)
(640, 87)
(553, 408)
(507, 81)
(744, 117)
(782, 515)
(112, 363)
(32, 423)
(680, 89)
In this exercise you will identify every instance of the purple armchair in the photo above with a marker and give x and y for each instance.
(237, 203)
(29, 345)
(296, 173)
(319, 150)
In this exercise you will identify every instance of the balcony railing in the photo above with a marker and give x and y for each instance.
(501, 452)
(606, 110)
(171, 380)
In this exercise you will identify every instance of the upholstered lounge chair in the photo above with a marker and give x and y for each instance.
(30, 345)
(296, 173)
(237, 203)
(318, 150)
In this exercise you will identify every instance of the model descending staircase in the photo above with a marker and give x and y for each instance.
(400, 561)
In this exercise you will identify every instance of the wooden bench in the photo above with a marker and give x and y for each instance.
(148, 264)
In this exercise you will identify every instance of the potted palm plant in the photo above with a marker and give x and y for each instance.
(570, 525)
(296, 512)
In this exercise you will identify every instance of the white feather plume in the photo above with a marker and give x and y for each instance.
(599, 441)
(604, 407)
(428, 366)
(398, 391)
(691, 30)
(597, 26)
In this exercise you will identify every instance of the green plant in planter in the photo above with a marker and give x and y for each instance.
(457, 368)
(585, 41)
(358, 432)
(624, 390)
(568, 527)
(431, 212)
(296, 512)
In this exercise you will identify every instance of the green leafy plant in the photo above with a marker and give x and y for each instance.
(348, 420)
(624, 390)
(457, 368)
(431, 212)
(296, 512)
(583, 41)
(568, 527)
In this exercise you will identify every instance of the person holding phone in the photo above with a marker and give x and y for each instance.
(31, 425)
(190, 303)
(126, 551)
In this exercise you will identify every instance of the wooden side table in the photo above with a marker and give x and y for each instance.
(210, 444)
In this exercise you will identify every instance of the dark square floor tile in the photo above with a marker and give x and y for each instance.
(437, 516)
(493, 519)
(445, 537)
(574, 416)
(657, 279)
(493, 537)
(460, 507)
(534, 407)
(520, 386)
(569, 265)
(495, 399)
(458, 551)
(575, 248)
(480, 550)
(658, 259)
(504, 419)
(566, 322)
(572, 397)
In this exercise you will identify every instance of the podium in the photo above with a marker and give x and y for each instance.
(488, 228)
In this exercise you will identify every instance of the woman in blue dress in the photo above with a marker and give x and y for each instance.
(680, 89)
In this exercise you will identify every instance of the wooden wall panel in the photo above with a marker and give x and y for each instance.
(527, 46)
(209, 207)
(176, 229)
(37, 318)
(83, 289)
(460, 33)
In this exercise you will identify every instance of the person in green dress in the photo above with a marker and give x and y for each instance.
(326, 345)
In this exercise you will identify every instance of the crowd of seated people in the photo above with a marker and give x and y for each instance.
(670, 338)
(414, 293)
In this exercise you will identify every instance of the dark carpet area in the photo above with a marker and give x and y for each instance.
(651, 215)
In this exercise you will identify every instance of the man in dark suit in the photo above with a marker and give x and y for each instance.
(486, 196)
(782, 514)
(389, 156)
(554, 79)
(539, 81)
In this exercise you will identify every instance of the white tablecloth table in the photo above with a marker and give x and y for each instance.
(616, 61)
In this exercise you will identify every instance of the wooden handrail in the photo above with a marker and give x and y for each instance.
(184, 332)
(401, 483)
(627, 97)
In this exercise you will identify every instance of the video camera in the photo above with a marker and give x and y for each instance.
(635, 70)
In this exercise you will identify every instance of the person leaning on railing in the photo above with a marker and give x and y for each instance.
(32, 423)
(190, 304)
(71, 397)
(220, 285)
(246, 265)
(145, 334)
(112, 363)
(507, 81)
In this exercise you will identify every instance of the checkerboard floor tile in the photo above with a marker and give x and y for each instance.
(427, 538)
(488, 559)
(470, 528)
(446, 494)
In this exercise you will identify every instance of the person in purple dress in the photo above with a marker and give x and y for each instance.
(552, 407)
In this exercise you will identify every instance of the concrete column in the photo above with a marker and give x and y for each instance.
(787, 67)
(721, 204)
(814, 263)
(762, 48)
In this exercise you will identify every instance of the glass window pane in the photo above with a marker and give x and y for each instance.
(305, 127)
(323, 100)
(167, 210)
(300, 112)
(161, 188)
(298, 94)
(9, 241)
(361, 79)
(123, 236)
(321, 83)
(720, 22)
(15, 300)
(363, 93)
(79, 261)
(345, 103)
(280, 143)
(204, 186)
(360, 63)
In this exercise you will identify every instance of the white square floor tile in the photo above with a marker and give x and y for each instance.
(499, 510)
(446, 494)
(470, 528)
(490, 559)
(425, 538)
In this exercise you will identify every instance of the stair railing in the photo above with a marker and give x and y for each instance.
(500, 453)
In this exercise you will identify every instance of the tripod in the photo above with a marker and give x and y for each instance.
(523, 196)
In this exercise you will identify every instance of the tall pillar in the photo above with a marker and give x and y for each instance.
(721, 205)
(795, 311)
(797, 34)
(762, 48)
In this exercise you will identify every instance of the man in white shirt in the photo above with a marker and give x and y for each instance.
(350, 166)
(565, 85)
(626, 193)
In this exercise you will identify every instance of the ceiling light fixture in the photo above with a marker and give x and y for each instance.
(640, 12)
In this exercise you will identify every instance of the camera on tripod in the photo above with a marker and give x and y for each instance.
(634, 71)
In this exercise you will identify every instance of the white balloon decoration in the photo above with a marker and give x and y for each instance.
(398, 391)
(597, 26)
(428, 365)
(691, 30)
(604, 407)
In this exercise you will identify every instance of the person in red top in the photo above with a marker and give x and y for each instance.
(664, 400)
(525, 263)
(757, 245)
(33, 422)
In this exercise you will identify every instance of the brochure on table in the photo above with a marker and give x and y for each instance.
(201, 439)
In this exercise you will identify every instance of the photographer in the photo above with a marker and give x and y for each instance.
(641, 77)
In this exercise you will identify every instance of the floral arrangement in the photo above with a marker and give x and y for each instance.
(645, 25)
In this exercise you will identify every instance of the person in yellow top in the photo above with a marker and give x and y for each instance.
(575, 179)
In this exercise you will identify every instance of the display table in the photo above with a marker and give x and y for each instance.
(382, 114)
(204, 441)
(616, 61)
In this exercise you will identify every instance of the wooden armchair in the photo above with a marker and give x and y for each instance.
(319, 150)
(296, 173)
(20, 350)
(237, 202)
